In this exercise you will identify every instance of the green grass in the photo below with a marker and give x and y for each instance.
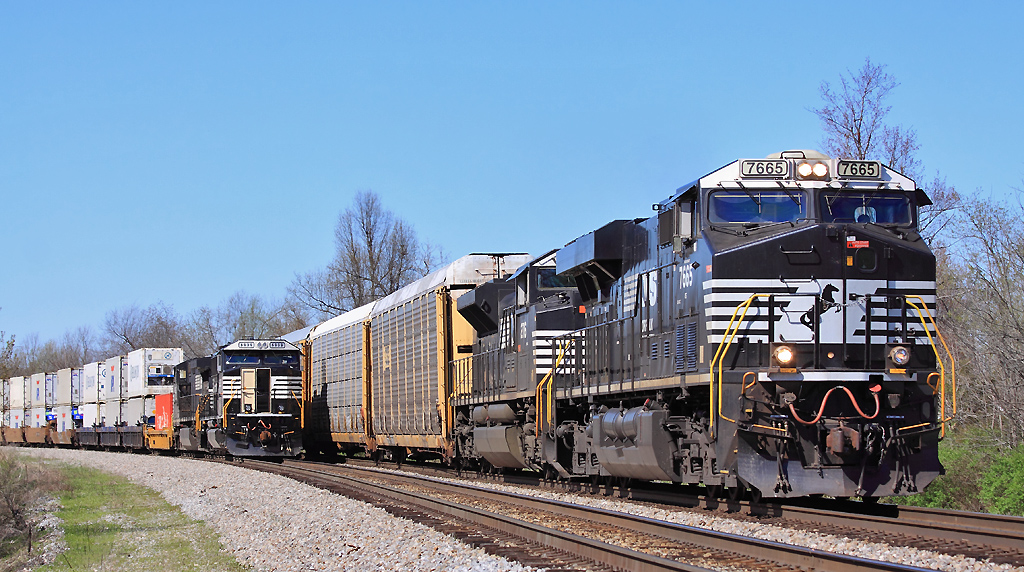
(113, 525)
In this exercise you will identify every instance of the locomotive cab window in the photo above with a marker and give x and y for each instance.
(878, 207)
(547, 279)
(756, 206)
(274, 358)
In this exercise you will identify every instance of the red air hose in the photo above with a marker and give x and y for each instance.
(874, 393)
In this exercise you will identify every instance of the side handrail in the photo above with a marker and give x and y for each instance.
(198, 407)
(723, 348)
(302, 410)
(545, 385)
(224, 413)
(938, 358)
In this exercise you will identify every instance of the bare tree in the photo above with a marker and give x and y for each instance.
(18, 492)
(6, 355)
(984, 303)
(131, 327)
(853, 117)
(240, 316)
(7, 364)
(376, 254)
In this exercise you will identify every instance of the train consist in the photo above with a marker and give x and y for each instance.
(243, 401)
(769, 329)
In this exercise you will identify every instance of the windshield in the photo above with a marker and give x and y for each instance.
(546, 278)
(756, 206)
(242, 359)
(273, 358)
(881, 207)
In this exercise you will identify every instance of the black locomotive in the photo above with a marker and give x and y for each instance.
(771, 328)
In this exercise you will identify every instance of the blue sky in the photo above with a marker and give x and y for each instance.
(179, 152)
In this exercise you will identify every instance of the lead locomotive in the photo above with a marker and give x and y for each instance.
(770, 328)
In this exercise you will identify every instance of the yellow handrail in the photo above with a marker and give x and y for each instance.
(723, 348)
(938, 358)
(546, 383)
(302, 410)
(224, 413)
(198, 407)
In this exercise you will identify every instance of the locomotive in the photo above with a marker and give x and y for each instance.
(770, 329)
(245, 401)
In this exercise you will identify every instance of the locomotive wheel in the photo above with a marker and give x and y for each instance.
(713, 491)
(756, 496)
(737, 493)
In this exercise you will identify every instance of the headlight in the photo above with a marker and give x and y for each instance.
(783, 355)
(900, 355)
(812, 170)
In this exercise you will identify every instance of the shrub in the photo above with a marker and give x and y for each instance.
(1002, 485)
(966, 456)
(21, 486)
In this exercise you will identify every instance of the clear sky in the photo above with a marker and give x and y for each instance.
(181, 151)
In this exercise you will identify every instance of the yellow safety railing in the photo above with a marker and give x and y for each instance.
(723, 348)
(302, 410)
(198, 407)
(545, 392)
(224, 413)
(938, 358)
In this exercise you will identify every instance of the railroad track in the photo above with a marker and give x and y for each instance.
(998, 538)
(563, 536)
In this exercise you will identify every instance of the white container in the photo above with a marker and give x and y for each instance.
(5, 403)
(37, 417)
(135, 411)
(114, 371)
(76, 386)
(113, 412)
(151, 371)
(17, 401)
(114, 368)
(62, 415)
(62, 391)
(36, 391)
(91, 382)
(92, 387)
(51, 390)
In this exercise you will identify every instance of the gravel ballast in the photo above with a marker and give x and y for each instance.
(272, 523)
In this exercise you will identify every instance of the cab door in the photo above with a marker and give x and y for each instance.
(249, 391)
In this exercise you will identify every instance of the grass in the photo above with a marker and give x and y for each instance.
(111, 524)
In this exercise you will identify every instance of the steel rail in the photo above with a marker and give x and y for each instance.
(929, 525)
(742, 546)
